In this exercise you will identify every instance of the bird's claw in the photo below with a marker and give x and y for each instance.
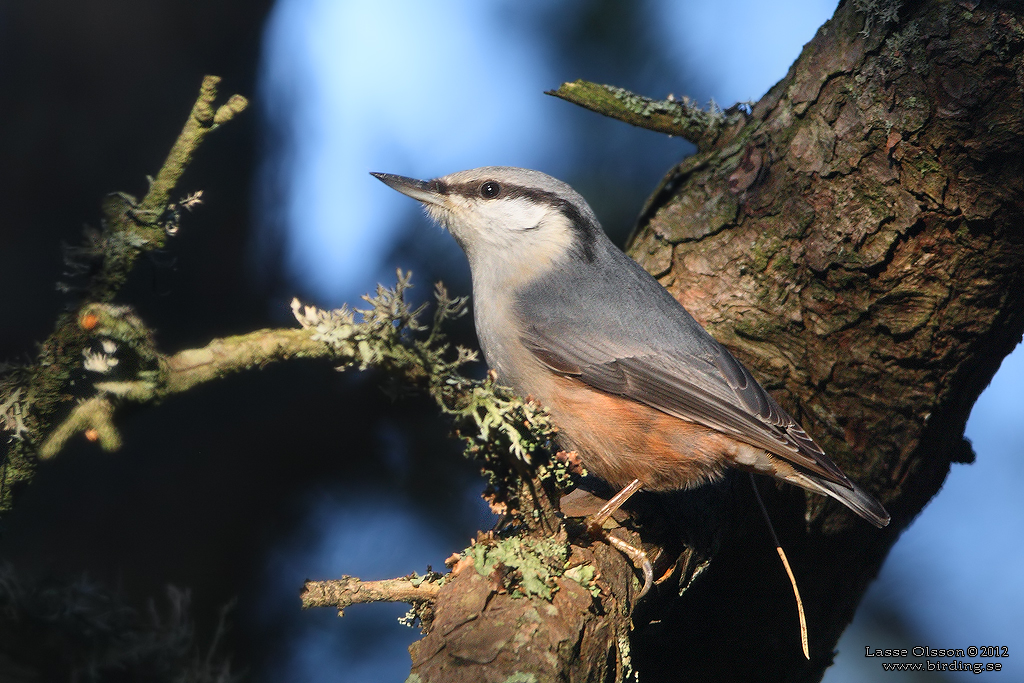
(639, 558)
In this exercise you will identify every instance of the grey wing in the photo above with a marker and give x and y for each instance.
(711, 388)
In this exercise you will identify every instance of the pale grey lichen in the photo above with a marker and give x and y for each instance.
(493, 421)
(880, 12)
(681, 110)
(586, 576)
(521, 677)
(98, 361)
(899, 45)
(13, 411)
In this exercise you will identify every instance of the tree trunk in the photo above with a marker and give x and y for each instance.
(856, 241)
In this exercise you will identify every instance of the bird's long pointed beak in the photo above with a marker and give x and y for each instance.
(426, 192)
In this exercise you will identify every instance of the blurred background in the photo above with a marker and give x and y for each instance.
(242, 490)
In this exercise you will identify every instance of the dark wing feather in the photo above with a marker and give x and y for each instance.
(712, 389)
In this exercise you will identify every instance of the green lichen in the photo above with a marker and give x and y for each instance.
(900, 44)
(520, 677)
(684, 110)
(784, 266)
(586, 576)
(758, 327)
(431, 576)
(762, 251)
(625, 657)
(504, 432)
(526, 566)
(673, 116)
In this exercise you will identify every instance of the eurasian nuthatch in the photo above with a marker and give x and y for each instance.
(636, 386)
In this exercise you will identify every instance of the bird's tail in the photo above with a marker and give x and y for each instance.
(852, 497)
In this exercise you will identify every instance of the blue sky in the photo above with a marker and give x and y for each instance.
(395, 87)
(424, 89)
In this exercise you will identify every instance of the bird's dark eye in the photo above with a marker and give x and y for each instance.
(490, 190)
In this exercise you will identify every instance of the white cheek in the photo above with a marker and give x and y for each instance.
(508, 241)
(507, 218)
(493, 225)
(507, 257)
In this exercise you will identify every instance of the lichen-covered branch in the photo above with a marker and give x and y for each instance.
(203, 119)
(168, 374)
(349, 590)
(36, 397)
(501, 430)
(680, 117)
(132, 227)
(531, 560)
(113, 357)
(222, 357)
(93, 418)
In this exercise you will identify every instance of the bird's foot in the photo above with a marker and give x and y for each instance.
(595, 526)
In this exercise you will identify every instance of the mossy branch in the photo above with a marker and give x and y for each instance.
(222, 357)
(202, 120)
(680, 117)
(132, 227)
(92, 418)
(501, 430)
(34, 397)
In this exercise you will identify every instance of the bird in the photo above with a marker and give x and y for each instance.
(636, 386)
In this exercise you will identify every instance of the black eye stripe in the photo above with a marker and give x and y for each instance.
(490, 189)
(583, 226)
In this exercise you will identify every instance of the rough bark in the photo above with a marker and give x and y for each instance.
(857, 242)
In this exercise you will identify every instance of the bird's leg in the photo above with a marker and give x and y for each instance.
(614, 503)
(595, 525)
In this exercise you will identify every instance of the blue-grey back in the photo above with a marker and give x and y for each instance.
(615, 299)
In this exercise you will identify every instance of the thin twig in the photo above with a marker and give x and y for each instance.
(349, 590)
(789, 572)
(132, 228)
